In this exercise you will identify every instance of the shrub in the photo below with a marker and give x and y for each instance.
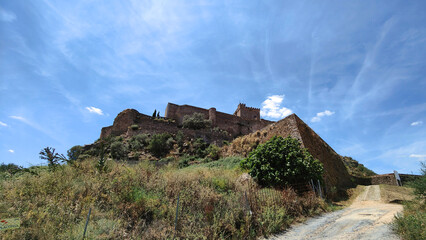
(180, 139)
(138, 142)
(213, 152)
(195, 121)
(198, 147)
(159, 144)
(411, 224)
(74, 152)
(282, 161)
(419, 184)
(134, 127)
(118, 150)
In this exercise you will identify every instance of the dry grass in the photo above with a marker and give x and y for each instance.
(395, 194)
(139, 201)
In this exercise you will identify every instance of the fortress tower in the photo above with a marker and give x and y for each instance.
(247, 113)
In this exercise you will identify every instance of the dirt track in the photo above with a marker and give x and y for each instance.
(366, 218)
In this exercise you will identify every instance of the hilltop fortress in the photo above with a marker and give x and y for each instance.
(245, 120)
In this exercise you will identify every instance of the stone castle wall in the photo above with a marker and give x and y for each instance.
(174, 114)
(235, 125)
(123, 122)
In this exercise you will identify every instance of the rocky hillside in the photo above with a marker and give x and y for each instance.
(356, 169)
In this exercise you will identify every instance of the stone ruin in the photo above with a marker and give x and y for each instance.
(245, 120)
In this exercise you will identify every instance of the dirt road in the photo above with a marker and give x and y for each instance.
(366, 218)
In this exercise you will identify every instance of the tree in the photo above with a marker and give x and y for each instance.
(53, 159)
(282, 161)
(154, 114)
(195, 121)
(74, 152)
(158, 114)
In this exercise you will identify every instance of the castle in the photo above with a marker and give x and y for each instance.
(245, 120)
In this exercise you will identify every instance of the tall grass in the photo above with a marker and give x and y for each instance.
(139, 201)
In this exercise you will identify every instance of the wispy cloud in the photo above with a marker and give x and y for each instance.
(7, 16)
(417, 155)
(11, 151)
(36, 126)
(22, 119)
(271, 107)
(3, 124)
(417, 123)
(319, 115)
(95, 110)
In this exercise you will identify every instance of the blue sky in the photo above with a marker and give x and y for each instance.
(352, 70)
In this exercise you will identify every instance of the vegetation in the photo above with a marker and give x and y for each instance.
(411, 224)
(282, 161)
(53, 159)
(139, 202)
(356, 169)
(74, 152)
(160, 144)
(118, 150)
(195, 121)
(138, 142)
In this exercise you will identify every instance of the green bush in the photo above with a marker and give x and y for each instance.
(282, 161)
(195, 121)
(138, 142)
(134, 127)
(199, 147)
(411, 224)
(74, 152)
(419, 184)
(118, 151)
(159, 145)
(213, 152)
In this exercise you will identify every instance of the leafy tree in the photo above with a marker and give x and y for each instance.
(159, 145)
(158, 114)
(74, 152)
(195, 121)
(155, 113)
(10, 168)
(53, 159)
(282, 161)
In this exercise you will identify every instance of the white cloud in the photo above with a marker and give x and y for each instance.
(95, 110)
(271, 107)
(11, 151)
(319, 115)
(417, 123)
(418, 155)
(19, 118)
(3, 124)
(6, 16)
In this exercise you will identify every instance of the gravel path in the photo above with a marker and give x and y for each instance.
(366, 218)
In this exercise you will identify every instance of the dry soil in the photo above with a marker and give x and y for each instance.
(367, 218)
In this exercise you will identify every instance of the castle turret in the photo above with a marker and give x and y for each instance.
(248, 113)
(212, 116)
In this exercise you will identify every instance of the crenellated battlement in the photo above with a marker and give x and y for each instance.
(249, 113)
